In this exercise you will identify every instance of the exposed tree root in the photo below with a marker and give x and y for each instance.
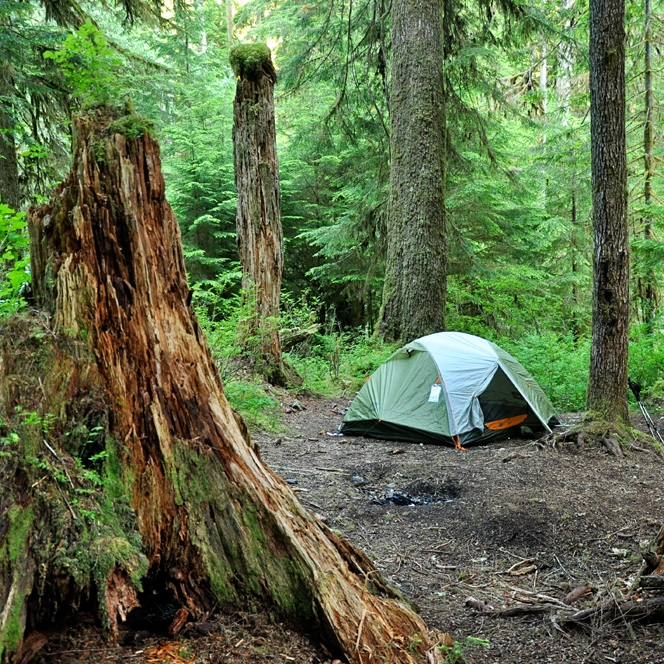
(614, 437)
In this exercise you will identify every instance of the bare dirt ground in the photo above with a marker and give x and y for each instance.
(507, 521)
(557, 518)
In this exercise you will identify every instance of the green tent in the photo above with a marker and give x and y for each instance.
(450, 388)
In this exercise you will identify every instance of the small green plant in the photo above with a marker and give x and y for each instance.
(90, 66)
(131, 126)
(414, 643)
(455, 653)
(256, 406)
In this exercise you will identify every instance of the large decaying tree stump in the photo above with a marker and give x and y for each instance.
(180, 501)
(258, 218)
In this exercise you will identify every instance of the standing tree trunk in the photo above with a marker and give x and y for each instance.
(607, 384)
(230, 23)
(259, 234)
(565, 65)
(185, 503)
(415, 275)
(9, 188)
(647, 281)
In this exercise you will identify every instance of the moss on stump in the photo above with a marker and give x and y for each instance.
(251, 61)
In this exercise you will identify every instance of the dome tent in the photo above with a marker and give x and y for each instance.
(448, 387)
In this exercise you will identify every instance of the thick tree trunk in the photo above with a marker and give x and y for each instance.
(259, 234)
(607, 385)
(9, 187)
(185, 502)
(647, 282)
(415, 275)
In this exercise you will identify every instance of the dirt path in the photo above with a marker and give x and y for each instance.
(571, 517)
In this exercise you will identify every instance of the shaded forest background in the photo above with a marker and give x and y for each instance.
(518, 169)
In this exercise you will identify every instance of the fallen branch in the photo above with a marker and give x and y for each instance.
(511, 612)
(514, 571)
(616, 608)
(606, 611)
(653, 582)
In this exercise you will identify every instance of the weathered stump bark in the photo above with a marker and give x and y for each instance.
(184, 502)
(258, 219)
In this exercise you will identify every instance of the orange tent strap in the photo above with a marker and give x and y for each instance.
(457, 443)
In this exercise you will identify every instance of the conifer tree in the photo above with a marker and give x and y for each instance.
(415, 273)
(607, 384)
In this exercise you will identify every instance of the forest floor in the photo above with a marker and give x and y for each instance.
(495, 522)
(564, 517)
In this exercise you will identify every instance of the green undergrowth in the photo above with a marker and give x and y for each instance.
(333, 363)
(330, 363)
(252, 398)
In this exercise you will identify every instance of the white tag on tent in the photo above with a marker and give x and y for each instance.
(434, 395)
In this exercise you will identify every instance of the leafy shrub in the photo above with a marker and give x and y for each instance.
(90, 66)
(15, 264)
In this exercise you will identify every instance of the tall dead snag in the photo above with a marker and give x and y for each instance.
(214, 524)
(258, 220)
(607, 382)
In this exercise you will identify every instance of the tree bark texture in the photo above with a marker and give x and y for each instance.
(415, 277)
(258, 220)
(647, 289)
(9, 184)
(213, 524)
(607, 385)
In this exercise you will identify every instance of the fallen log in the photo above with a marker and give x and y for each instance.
(291, 337)
(626, 608)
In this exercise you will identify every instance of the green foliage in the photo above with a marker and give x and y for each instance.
(558, 363)
(518, 172)
(646, 359)
(131, 126)
(90, 66)
(15, 262)
(337, 363)
(252, 400)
